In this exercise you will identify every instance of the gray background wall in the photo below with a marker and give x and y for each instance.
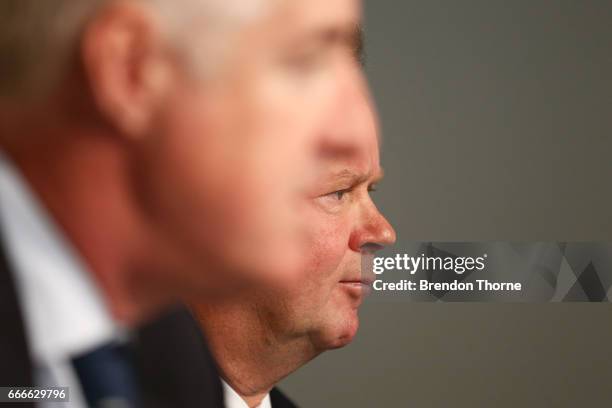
(497, 123)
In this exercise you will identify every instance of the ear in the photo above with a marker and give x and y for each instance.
(127, 66)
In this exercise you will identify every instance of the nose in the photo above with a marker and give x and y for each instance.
(374, 231)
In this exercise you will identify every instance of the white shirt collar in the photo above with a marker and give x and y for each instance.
(233, 400)
(64, 311)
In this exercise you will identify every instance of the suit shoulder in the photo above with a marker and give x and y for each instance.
(280, 400)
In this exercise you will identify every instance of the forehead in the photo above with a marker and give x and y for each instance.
(300, 11)
(317, 11)
(297, 16)
(252, 28)
(362, 160)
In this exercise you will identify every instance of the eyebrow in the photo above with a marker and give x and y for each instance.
(354, 178)
(358, 45)
(351, 36)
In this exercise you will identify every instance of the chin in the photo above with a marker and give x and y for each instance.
(340, 332)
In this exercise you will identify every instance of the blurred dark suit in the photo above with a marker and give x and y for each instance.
(173, 363)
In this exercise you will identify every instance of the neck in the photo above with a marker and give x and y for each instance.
(80, 176)
(251, 358)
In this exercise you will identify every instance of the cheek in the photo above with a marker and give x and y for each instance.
(306, 303)
(328, 246)
(238, 152)
(196, 180)
(214, 180)
(196, 153)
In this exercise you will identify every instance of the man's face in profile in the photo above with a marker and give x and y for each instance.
(237, 145)
(342, 222)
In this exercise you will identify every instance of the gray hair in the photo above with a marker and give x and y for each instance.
(38, 37)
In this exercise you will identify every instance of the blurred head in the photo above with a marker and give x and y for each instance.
(217, 112)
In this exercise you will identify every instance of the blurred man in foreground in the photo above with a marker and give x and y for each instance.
(154, 151)
(260, 337)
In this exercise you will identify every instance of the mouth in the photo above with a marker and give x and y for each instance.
(367, 281)
(358, 287)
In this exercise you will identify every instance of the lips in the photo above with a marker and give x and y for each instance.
(357, 288)
(360, 281)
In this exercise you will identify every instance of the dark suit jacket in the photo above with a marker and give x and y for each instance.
(174, 365)
(279, 400)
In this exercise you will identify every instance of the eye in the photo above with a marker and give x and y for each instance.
(338, 195)
(334, 201)
(304, 63)
(307, 59)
